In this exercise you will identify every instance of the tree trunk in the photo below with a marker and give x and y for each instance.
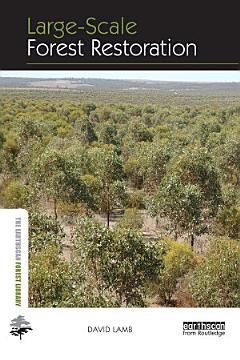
(192, 240)
(108, 211)
(175, 235)
(55, 209)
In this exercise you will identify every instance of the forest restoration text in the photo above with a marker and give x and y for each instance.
(102, 44)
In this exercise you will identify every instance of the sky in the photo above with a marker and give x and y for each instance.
(161, 75)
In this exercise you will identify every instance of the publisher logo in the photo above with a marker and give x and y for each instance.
(19, 326)
(202, 328)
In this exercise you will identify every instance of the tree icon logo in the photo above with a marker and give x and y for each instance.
(20, 326)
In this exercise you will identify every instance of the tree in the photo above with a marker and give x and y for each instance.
(228, 222)
(190, 193)
(108, 133)
(88, 108)
(132, 263)
(206, 128)
(152, 163)
(229, 158)
(131, 219)
(118, 261)
(2, 139)
(136, 199)
(14, 194)
(43, 231)
(58, 177)
(106, 166)
(49, 278)
(20, 326)
(31, 128)
(9, 153)
(86, 131)
(182, 204)
(195, 166)
(216, 281)
(139, 131)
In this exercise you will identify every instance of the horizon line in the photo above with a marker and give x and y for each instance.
(123, 79)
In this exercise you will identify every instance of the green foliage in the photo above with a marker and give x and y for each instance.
(108, 133)
(119, 261)
(132, 264)
(228, 222)
(190, 193)
(136, 199)
(104, 153)
(216, 281)
(86, 130)
(180, 203)
(139, 131)
(206, 128)
(14, 195)
(49, 282)
(147, 165)
(229, 158)
(2, 139)
(106, 166)
(132, 219)
(57, 177)
(9, 153)
(195, 166)
(44, 231)
(88, 108)
(178, 260)
(230, 195)
(30, 128)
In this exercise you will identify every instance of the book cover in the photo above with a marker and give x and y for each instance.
(119, 182)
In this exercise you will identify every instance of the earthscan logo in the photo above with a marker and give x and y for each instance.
(202, 328)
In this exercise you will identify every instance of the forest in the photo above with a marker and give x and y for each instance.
(133, 196)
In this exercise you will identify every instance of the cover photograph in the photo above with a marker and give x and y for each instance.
(119, 186)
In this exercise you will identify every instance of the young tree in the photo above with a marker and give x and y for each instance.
(58, 178)
(216, 281)
(49, 278)
(190, 193)
(132, 219)
(182, 204)
(132, 263)
(2, 139)
(228, 157)
(44, 231)
(14, 194)
(88, 108)
(119, 261)
(108, 133)
(152, 163)
(178, 260)
(228, 222)
(196, 167)
(139, 131)
(106, 166)
(86, 130)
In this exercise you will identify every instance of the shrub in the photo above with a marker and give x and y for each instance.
(49, 282)
(14, 195)
(216, 281)
(132, 219)
(44, 230)
(228, 222)
(136, 199)
(178, 260)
